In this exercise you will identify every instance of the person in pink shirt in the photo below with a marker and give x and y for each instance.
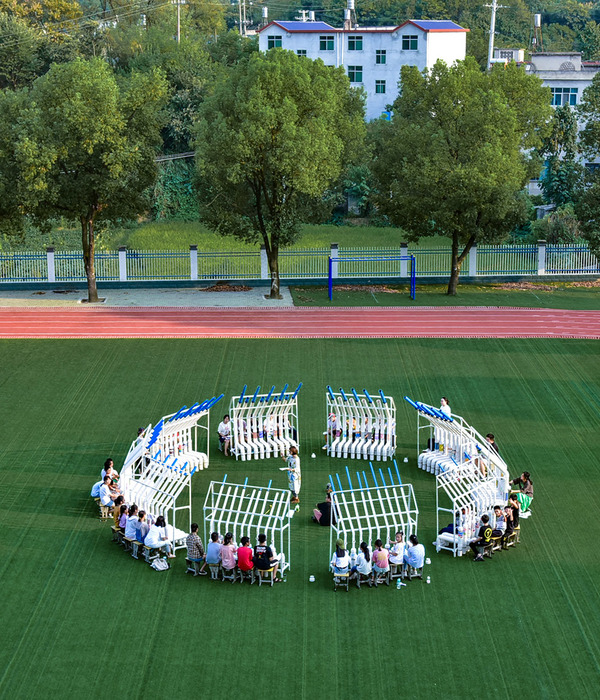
(228, 550)
(244, 555)
(381, 563)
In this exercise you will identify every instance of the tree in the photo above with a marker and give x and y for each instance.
(84, 147)
(269, 142)
(455, 156)
(563, 172)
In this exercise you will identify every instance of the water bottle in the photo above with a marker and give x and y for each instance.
(353, 556)
(399, 584)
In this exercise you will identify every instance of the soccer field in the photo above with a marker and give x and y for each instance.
(82, 618)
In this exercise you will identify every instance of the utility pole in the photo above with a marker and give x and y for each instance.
(179, 3)
(494, 7)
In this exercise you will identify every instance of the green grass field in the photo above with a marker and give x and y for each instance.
(81, 618)
(549, 295)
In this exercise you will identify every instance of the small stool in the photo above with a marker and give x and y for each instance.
(497, 543)
(341, 581)
(270, 577)
(363, 578)
(135, 549)
(412, 572)
(127, 543)
(215, 570)
(150, 554)
(105, 513)
(514, 538)
(395, 571)
(383, 577)
(246, 575)
(115, 533)
(229, 575)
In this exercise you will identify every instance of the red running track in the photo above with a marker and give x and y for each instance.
(301, 322)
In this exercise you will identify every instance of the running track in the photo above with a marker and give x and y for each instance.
(301, 322)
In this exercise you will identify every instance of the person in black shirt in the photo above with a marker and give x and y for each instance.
(323, 514)
(483, 538)
(263, 557)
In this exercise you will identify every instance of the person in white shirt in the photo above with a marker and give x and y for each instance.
(224, 431)
(445, 407)
(340, 561)
(132, 523)
(96, 489)
(294, 474)
(157, 537)
(397, 549)
(363, 562)
(415, 555)
(105, 493)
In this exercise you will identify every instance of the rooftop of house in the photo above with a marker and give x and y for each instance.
(430, 25)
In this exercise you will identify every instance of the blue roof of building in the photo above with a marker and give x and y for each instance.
(440, 25)
(305, 26)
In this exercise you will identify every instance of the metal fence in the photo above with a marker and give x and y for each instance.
(310, 263)
(570, 259)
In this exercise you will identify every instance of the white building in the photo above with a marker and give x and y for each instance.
(372, 56)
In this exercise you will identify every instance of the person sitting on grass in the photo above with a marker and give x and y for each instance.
(381, 561)
(500, 525)
(244, 555)
(363, 562)
(228, 551)
(213, 551)
(322, 513)
(264, 559)
(483, 538)
(340, 561)
(195, 550)
(524, 492)
(415, 554)
(157, 537)
(132, 521)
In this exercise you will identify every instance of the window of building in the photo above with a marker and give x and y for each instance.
(355, 43)
(410, 42)
(564, 96)
(380, 87)
(326, 43)
(507, 54)
(301, 52)
(355, 74)
(380, 56)
(274, 41)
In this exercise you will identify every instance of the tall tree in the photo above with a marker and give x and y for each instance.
(270, 141)
(455, 156)
(84, 147)
(563, 171)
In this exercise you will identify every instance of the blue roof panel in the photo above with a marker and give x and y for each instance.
(437, 24)
(305, 26)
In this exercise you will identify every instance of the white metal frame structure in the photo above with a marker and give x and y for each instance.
(364, 427)
(249, 511)
(366, 513)
(469, 493)
(264, 425)
(157, 473)
(470, 475)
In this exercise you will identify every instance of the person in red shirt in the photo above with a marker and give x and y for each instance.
(244, 555)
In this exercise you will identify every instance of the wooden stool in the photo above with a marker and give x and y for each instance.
(246, 575)
(127, 543)
(229, 575)
(135, 549)
(363, 578)
(105, 513)
(341, 581)
(215, 570)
